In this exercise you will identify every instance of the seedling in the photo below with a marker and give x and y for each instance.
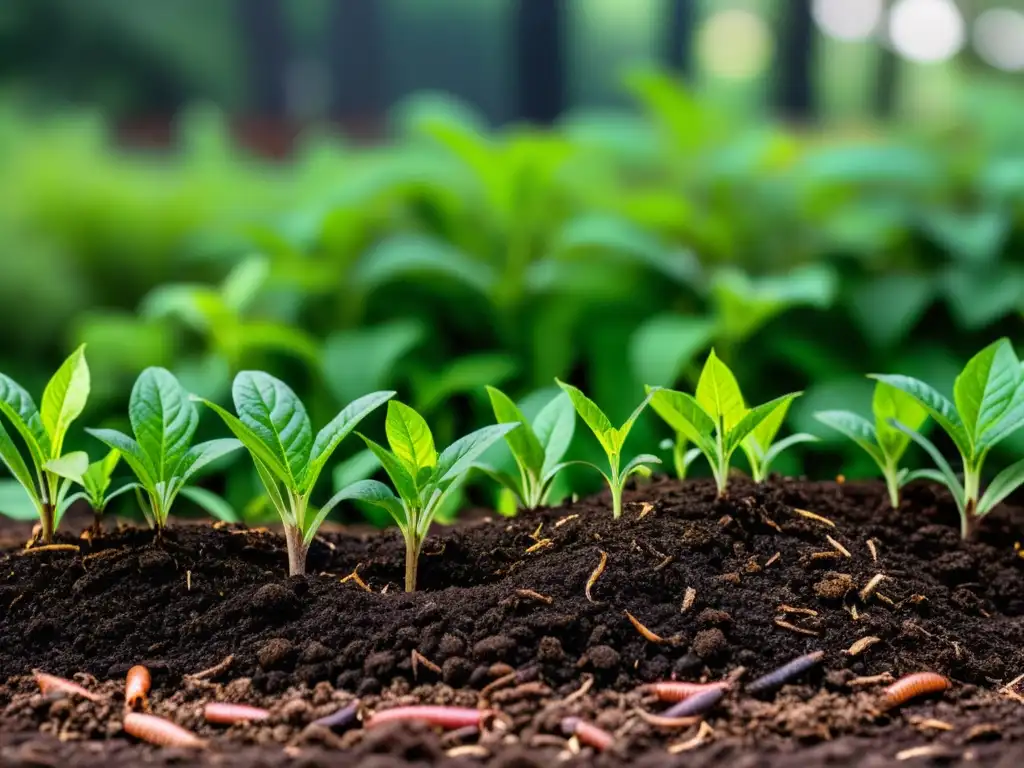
(273, 426)
(682, 457)
(537, 448)
(42, 431)
(987, 407)
(95, 482)
(882, 441)
(161, 455)
(421, 476)
(717, 422)
(612, 440)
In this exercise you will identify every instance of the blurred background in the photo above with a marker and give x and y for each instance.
(433, 196)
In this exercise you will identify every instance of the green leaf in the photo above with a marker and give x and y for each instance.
(457, 458)
(592, 416)
(401, 478)
(685, 415)
(408, 255)
(274, 414)
(16, 502)
(753, 418)
(985, 388)
(271, 484)
(764, 434)
(784, 444)
(64, 398)
(200, 455)
(465, 374)
(637, 464)
(212, 503)
(938, 407)
(409, 438)
(891, 403)
(330, 437)
(259, 450)
(719, 393)
(364, 359)
(359, 466)
(130, 450)
(71, 466)
(1002, 485)
(525, 445)
(17, 405)
(554, 426)
(855, 427)
(12, 459)
(96, 479)
(947, 476)
(244, 281)
(369, 491)
(164, 420)
(663, 346)
(887, 307)
(619, 435)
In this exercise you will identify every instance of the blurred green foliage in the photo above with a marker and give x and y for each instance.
(611, 251)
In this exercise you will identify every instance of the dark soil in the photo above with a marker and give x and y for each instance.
(500, 595)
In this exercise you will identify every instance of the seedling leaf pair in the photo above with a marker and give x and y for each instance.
(537, 448)
(43, 431)
(420, 475)
(612, 439)
(274, 427)
(884, 442)
(161, 455)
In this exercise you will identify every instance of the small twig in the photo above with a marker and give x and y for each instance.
(565, 520)
(596, 575)
(930, 723)
(543, 543)
(793, 609)
(51, 548)
(773, 559)
(213, 671)
(535, 536)
(663, 563)
(494, 685)
(688, 599)
(647, 634)
(871, 586)
(529, 594)
(812, 516)
(873, 550)
(418, 659)
(645, 510)
(354, 576)
(188, 581)
(839, 547)
(825, 555)
(862, 645)
(580, 692)
(928, 750)
(703, 734)
(860, 682)
(793, 628)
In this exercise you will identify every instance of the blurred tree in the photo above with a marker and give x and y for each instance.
(356, 58)
(540, 59)
(679, 35)
(796, 57)
(265, 39)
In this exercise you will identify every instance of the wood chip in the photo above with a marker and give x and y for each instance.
(873, 550)
(50, 548)
(469, 750)
(871, 586)
(928, 750)
(887, 600)
(647, 634)
(536, 534)
(772, 524)
(213, 671)
(529, 594)
(645, 510)
(983, 731)
(565, 520)
(542, 544)
(596, 575)
(811, 516)
(839, 547)
(663, 563)
(930, 724)
(793, 628)
(862, 645)
(773, 559)
(704, 733)
(688, 599)
(418, 660)
(825, 556)
(860, 682)
(793, 609)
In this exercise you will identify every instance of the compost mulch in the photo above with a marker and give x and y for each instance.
(728, 589)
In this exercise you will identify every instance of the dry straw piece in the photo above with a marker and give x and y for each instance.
(596, 575)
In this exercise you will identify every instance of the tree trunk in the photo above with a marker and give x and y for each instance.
(297, 551)
(795, 87)
(540, 59)
(679, 35)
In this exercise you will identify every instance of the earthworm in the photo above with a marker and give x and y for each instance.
(912, 686)
(662, 721)
(343, 718)
(229, 714)
(51, 684)
(697, 704)
(587, 733)
(676, 691)
(448, 718)
(136, 686)
(157, 730)
(785, 673)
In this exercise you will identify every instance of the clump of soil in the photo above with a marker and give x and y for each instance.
(724, 589)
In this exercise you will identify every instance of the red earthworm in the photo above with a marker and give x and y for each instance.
(697, 704)
(136, 686)
(157, 730)
(51, 684)
(229, 714)
(343, 718)
(912, 686)
(448, 718)
(785, 673)
(677, 690)
(588, 733)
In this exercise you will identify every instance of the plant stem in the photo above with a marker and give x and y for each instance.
(616, 503)
(47, 523)
(297, 550)
(412, 561)
(972, 487)
(889, 472)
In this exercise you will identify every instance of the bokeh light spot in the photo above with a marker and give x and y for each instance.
(999, 38)
(849, 20)
(926, 31)
(735, 44)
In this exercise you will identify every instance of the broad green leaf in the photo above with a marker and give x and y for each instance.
(946, 474)
(274, 413)
(465, 374)
(244, 281)
(17, 405)
(685, 415)
(130, 450)
(163, 419)
(525, 445)
(592, 416)
(12, 459)
(855, 427)
(64, 398)
(938, 407)
(16, 502)
(271, 484)
(753, 418)
(1011, 421)
(405, 256)
(764, 433)
(554, 426)
(259, 450)
(409, 438)
(198, 456)
(96, 479)
(212, 503)
(619, 435)
(638, 463)
(404, 482)
(364, 359)
(1002, 485)
(662, 347)
(114, 494)
(891, 403)
(66, 504)
(71, 466)
(785, 443)
(369, 491)
(985, 388)
(719, 393)
(457, 458)
(330, 437)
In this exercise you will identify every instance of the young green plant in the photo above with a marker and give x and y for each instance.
(95, 482)
(537, 448)
(987, 407)
(161, 456)
(421, 476)
(882, 441)
(718, 422)
(273, 425)
(42, 430)
(613, 440)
